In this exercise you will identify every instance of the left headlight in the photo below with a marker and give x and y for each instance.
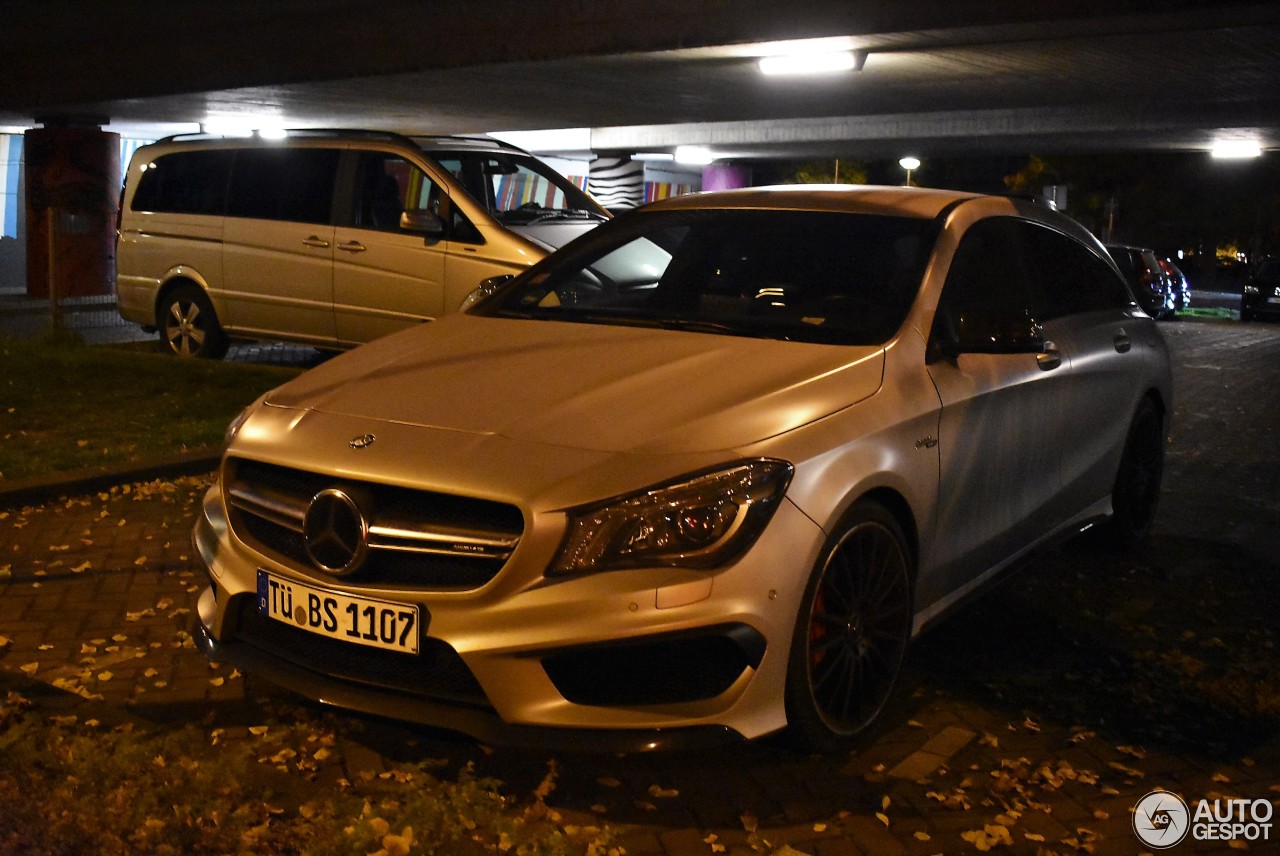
(701, 521)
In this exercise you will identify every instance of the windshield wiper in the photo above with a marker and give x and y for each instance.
(531, 214)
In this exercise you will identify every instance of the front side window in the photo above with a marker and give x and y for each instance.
(795, 275)
(387, 185)
(986, 302)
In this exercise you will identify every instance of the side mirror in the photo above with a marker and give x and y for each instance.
(484, 290)
(997, 336)
(420, 221)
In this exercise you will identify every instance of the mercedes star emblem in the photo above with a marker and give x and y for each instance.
(335, 533)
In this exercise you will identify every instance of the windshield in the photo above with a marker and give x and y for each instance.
(796, 275)
(518, 189)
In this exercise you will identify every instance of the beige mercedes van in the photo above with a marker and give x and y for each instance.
(328, 238)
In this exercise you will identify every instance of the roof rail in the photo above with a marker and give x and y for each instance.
(301, 133)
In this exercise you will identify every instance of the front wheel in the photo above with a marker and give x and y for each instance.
(852, 632)
(189, 325)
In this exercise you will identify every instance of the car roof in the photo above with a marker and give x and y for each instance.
(866, 199)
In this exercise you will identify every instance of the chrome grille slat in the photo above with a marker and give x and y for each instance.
(280, 511)
(416, 538)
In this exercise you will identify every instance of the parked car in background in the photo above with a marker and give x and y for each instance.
(328, 238)
(1260, 294)
(1151, 286)
(1178, 283)
(700, 475)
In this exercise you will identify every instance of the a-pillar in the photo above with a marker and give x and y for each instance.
(73, 191)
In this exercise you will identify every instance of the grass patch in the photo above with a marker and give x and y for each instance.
(68, 406)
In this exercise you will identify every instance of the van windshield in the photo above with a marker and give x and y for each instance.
(518, 189)
(807, 276)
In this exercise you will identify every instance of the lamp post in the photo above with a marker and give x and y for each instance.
(909, 163)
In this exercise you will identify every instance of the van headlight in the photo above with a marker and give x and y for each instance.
(701, 521)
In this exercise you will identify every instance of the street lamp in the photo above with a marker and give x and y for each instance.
(909, 163)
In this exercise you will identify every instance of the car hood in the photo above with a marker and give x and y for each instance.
(588, 386)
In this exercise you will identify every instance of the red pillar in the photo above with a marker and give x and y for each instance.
(73, 191)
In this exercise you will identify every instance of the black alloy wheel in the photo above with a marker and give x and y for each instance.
(852, 632)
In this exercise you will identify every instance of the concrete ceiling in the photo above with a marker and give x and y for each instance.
(966, 76)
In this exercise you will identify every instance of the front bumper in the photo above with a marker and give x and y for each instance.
(610, 661)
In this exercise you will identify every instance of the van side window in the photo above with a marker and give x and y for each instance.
(388, 185)
(283, 184)
(184, 183)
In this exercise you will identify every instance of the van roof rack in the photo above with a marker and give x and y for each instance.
(351, 133)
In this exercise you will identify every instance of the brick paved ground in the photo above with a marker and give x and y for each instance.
(1032, 721)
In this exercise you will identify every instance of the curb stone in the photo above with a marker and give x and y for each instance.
(26, 491)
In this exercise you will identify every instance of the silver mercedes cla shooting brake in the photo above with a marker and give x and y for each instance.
(700, 475)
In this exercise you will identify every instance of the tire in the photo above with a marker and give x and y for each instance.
(852, 631)
(189, 325)
(1246, 315)
(1136, 492)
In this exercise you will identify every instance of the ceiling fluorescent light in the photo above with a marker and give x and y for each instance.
(1236, 149)
(653, 156)
(694, 155)
(812, 63)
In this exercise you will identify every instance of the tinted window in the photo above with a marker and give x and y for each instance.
(807, 276)
(986, 301)
(1066, 277)
(184, 183)
(386, 186)
(283, 184)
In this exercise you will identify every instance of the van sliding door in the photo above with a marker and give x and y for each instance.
(278, 244)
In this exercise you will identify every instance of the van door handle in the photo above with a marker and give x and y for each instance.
(1122, 342)
(315, 241)
(352, 247)
(1050, 358)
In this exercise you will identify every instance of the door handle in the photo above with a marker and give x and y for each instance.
(1122, 342)
(1049, 358)
(315, 241)
(352, 247)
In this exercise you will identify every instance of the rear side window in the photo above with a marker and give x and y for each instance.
(1069, 278)
(184, 183)
(283, 184)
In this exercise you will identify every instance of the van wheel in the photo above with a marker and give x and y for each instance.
(852, 632)
(1137, 487)
(189, 326)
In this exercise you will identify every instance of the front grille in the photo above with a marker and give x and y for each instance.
(416, 539)
(436, 672)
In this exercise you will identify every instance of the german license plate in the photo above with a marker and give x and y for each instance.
(360, 620)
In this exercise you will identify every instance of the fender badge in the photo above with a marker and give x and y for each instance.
(364, 441)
